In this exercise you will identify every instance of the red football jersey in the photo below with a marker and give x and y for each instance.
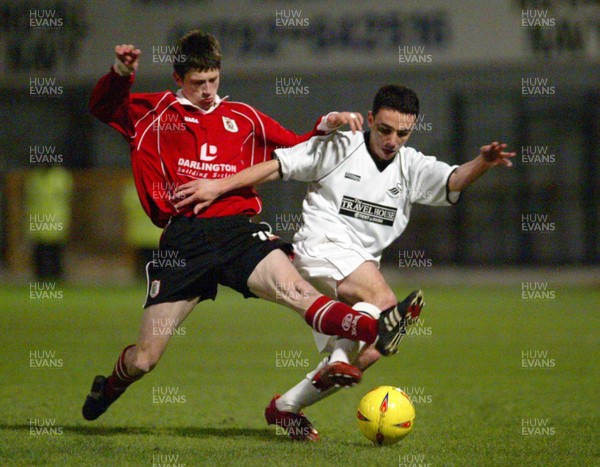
(173, 142)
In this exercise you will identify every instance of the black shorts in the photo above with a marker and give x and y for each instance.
(197, 254)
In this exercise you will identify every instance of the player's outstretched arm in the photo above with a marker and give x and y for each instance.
(201, 193)
(489, 156)
(109, 101)
(278, 136)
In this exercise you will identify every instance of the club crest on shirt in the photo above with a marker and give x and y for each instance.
(154, 288)
(230, 125)
(395, 191)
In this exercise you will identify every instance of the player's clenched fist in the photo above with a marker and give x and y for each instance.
(127, 57)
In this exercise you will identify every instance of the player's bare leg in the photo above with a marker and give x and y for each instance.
(365, 284)
(158, 324)
(277, 280)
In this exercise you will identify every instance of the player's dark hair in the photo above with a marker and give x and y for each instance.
(197, 51)
(396, 97)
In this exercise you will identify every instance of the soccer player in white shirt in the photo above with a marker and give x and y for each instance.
(361, 190)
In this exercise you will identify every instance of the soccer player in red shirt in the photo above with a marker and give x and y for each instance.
(191, 134)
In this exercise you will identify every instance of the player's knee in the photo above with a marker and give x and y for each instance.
(145, 360)
(145, 364)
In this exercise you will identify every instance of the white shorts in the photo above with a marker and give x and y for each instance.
(323, 264)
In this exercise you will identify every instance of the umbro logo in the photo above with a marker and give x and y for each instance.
(191, 119)
(351, 176)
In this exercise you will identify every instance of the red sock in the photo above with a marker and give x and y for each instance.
(338, 319)
(118, 381)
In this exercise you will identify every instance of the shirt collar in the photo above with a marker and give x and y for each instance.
(381, 164)
(185, 101)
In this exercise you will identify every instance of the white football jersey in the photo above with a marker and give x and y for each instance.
(350, 201)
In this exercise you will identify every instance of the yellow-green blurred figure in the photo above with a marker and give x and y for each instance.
(140, 233)
(48, 193)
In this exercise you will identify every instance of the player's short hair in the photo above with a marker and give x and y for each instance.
(396, 97)
(199, 51)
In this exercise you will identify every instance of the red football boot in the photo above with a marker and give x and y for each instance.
(296, 425)
(338, 374)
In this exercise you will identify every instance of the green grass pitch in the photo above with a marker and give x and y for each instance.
(499, 380)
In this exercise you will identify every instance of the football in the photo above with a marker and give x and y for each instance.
(385, 415)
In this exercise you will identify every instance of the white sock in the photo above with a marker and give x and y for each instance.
(345, 350)
(304, 393)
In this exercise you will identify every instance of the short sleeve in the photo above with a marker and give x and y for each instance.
(428, 179)
(315, 158)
